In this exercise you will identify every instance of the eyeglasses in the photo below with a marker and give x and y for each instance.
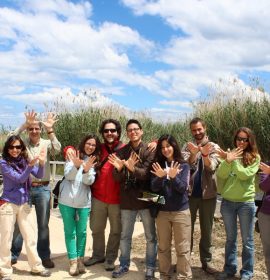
(136, 129)
(34, 128)
(17, 147)
(90, 144)
(241, 139)
(111, 130)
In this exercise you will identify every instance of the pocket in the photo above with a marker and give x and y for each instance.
(26, 208)
(6, 209)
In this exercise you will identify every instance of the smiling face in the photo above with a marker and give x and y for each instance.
(110, 134)
(90, 146)
(15, 149)
(134, 133)
(242, 140)
(167, 150)
(198, 131)
(34, 131)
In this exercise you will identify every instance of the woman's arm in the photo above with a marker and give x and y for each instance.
(181, 181)
(89, 177)
(14, 175)
(244, 173)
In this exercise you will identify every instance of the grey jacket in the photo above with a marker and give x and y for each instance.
(75, 189)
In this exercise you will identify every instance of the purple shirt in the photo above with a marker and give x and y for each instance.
(265, 186)
(15, 184)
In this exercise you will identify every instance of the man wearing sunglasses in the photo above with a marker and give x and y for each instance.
(203, 161)
(105, 202)
(40, 189)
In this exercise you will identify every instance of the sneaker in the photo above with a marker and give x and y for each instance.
(109, 265)
(92, 261)
(48, 263)
(224, 275)
(120, 271)
(43, 273)
(150, 274)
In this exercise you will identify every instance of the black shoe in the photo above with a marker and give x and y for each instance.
(48, 263)
(209, 269)
(13, 261)
(92, 261)
(43, 273)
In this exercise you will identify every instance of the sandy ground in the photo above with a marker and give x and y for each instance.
(21, 269)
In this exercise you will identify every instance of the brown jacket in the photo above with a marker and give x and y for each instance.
(209, 184)
(133, 184)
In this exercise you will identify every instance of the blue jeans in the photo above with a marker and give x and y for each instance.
(245, 211)
(40, 197)
(128, 218)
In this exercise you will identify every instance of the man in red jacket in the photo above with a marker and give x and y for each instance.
(106, 199)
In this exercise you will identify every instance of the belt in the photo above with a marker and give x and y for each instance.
(38, 184)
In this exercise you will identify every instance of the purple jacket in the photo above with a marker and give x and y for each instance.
(265, 186)
(17, 185)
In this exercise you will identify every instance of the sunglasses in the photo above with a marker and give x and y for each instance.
(34, 128)
(241, 139)
(111, 130)
(17, 147)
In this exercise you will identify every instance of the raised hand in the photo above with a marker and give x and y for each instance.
(234, 154)
(221, 153)
(194, 149)
(33, 161)
(74, 157)
(158, 171)
(30, 118)
(206, 149)
(89, 163)
(174, 169)
(131, 162)
(264, 168)
(116, 162)
(51, 120)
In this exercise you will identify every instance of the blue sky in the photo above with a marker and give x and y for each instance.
(158, 56)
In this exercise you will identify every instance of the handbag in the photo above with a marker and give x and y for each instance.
(56, 191)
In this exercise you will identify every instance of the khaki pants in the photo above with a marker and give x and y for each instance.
(9, 212)
(178, 224)
(100, 212)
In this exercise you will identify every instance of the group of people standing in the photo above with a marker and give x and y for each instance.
(106, 181)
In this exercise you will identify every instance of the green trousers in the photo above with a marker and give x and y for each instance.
(75, 223)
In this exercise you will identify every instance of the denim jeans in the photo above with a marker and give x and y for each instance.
(128, 218)
(40, 197)
(245, 211)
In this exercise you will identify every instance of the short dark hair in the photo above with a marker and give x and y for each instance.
(115, 122)
(133, 121)
(98, 146)
(8, 143)
(197, 120)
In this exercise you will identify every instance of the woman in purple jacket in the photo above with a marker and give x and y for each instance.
(264, 214)
(14, 204)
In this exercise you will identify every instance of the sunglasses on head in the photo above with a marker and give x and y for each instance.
(241, 139)
(111, 130)
(17, 147)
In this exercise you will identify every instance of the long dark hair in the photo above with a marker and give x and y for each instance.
(97, 150)
(6, 156)
(251, 152)
(177, 156)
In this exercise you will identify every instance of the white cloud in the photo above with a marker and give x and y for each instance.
(176, 103)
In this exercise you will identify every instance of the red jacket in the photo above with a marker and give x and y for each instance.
(105, 188)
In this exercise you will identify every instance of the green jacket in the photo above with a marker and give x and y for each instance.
(236, 182)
